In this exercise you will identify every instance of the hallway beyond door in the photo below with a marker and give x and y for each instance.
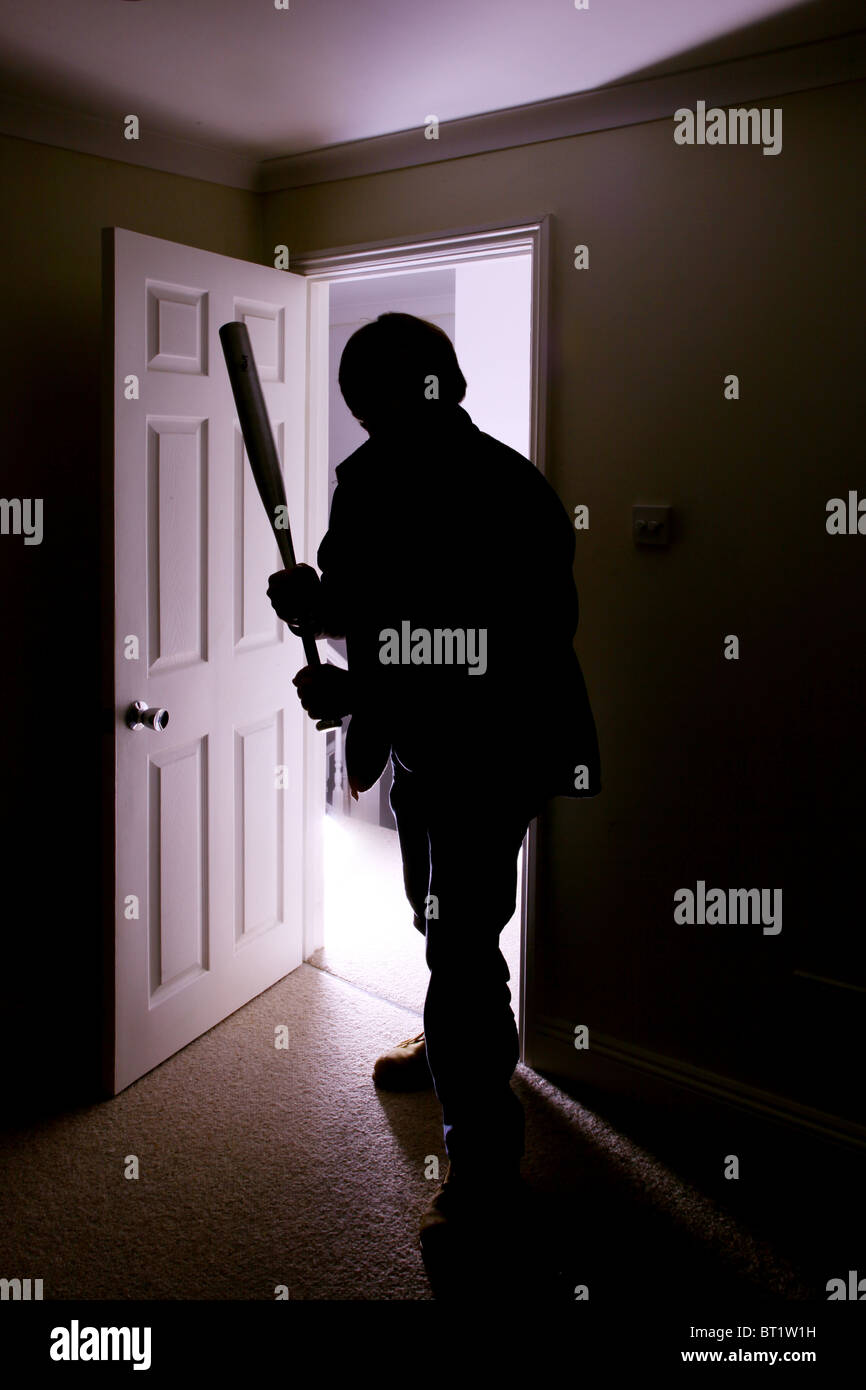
(369, 936)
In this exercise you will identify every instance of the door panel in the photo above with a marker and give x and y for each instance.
(208, 813)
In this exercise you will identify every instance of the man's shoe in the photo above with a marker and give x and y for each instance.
(487, 1206)
(404, 1068)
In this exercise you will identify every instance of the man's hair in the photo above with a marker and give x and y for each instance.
(386, 366)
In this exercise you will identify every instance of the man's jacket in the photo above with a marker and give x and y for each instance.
(447, 566)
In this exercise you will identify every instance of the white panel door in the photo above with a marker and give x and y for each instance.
(208, 829)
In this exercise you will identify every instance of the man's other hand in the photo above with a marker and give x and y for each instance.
(295, 597)
(324, 691)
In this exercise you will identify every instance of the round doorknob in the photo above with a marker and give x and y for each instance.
(138, 716)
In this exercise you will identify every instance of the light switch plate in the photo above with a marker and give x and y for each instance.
(651, 525)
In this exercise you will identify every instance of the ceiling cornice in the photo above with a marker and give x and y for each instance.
(97, 135)
(768, 75)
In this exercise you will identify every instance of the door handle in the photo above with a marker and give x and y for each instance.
(138, 716)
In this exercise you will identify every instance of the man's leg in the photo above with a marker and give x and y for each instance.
(410, 815)
(472, 1039)
(404, 1067)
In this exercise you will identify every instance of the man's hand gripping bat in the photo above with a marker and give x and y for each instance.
(265, 465)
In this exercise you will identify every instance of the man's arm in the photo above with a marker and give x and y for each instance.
(334, 560)
(546, 605)
(303, 599)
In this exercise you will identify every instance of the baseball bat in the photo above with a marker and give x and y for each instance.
(262, 454)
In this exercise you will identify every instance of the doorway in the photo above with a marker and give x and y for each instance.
(488, 305)
(215, 830)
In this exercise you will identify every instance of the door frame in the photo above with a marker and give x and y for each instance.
(365, 261)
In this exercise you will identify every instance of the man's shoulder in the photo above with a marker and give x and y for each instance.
(354, 462)
(520, 473)
(505, 458)
(468, 448)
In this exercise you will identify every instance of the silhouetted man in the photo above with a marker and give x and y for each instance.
(447, 567)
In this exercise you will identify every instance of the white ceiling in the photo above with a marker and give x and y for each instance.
(243, 76)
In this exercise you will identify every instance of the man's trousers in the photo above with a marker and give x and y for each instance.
(460, 835)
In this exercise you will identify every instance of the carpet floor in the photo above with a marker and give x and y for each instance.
(261, 1167)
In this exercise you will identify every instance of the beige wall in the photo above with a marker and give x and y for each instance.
(56, 202)
(703, 261)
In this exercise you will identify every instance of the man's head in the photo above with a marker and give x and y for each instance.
(398, 367)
